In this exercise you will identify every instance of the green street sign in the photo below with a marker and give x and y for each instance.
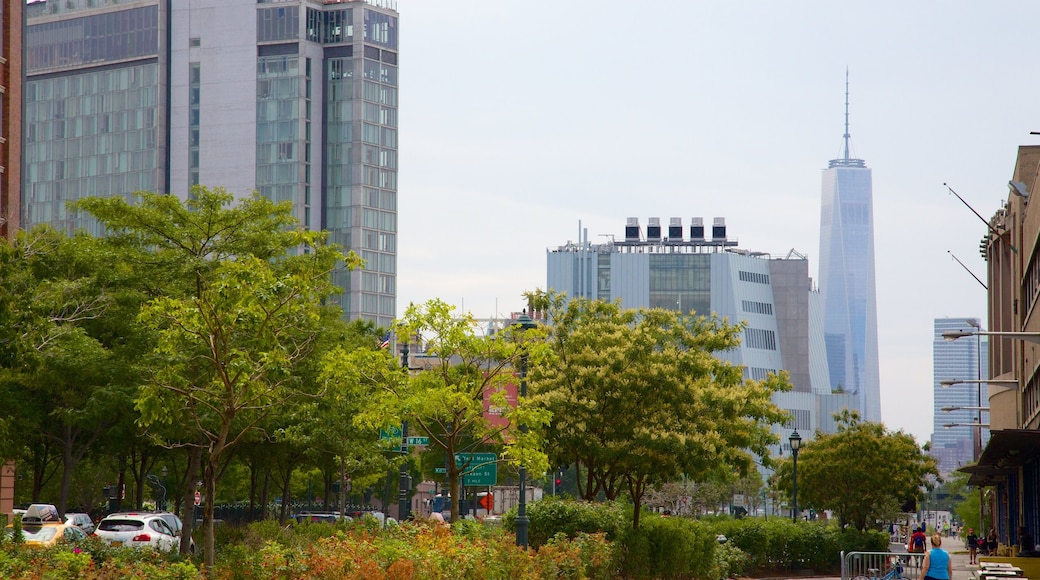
(393, 433)
(480, 468)
(440, 470)
(418, 441)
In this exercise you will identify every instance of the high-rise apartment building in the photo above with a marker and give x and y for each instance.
(847, 279)
(294, 99)
(10, 117)
(963, 359)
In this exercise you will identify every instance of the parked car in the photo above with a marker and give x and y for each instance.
(81, 521)
(176, 525)
(327, 517)
(41, 526)
(138, 530)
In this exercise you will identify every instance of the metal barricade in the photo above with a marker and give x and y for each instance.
(878, 564)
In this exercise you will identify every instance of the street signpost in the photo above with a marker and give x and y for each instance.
(481, 469)
(418, 441)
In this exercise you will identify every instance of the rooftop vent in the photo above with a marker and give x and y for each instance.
(718, 230)
(632, 233)
(653, 230)
(697, 229)
(675, 229)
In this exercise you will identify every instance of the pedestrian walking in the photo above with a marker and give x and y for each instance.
(973, 547)
(992, 541)
(917, 542)
(937, 564)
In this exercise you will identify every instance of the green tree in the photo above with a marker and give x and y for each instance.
(64, 357)
(863, 472)
(445, 402)
(641, 397)
(238, 298)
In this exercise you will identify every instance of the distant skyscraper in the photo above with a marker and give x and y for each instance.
(964, 359)
(847, 279)
(295, 99)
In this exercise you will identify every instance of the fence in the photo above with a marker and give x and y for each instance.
(878, 564)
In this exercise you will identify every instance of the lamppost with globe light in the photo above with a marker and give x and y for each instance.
(796, 442)
(523, 322)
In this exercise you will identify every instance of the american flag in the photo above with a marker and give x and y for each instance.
(386, 340)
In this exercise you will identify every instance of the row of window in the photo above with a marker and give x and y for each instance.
(372, 282)
(755, 277)
(757, 307)
(113, 143)
(104, 84)
(759, 338)
(99, 38)
(758, 373)
(378, 262)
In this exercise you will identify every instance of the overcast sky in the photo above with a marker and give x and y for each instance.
(520, 119)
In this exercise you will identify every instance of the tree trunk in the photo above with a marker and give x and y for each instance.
(188, 499)
(283, 515)
(67, 466)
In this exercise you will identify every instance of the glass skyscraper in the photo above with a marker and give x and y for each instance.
(294, 99)
(847, 279)
(964, 359)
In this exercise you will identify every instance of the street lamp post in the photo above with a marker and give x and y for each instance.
(796, 442)
(403, 507)
(523, 322)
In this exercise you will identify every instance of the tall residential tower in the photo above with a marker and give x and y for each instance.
(847, 279)
(295, 99)
(958, 404)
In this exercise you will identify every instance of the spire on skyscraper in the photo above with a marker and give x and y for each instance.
(847, 160)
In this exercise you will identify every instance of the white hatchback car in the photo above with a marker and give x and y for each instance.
(139, 530)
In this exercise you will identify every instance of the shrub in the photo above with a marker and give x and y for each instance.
(552, 515)
(778, 544)
(668, 548)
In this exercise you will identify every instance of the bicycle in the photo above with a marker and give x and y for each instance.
(895, 572)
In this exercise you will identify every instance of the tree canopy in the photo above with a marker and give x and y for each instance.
(464, 369)
(640, 397)
(863, 472)
(238, 291)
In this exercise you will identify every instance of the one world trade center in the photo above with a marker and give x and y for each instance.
(847, 279)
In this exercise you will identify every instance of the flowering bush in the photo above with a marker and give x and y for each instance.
(321, 551)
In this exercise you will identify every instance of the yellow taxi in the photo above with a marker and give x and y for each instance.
(41, 526)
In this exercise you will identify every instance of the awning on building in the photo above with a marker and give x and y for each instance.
(1007, 450)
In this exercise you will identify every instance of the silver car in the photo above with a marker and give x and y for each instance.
(81, 521)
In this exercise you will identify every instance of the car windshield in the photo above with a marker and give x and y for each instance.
(39, 534)
(121, 525)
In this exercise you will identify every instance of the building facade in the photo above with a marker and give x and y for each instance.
(296, 101)
(958, 404)
(702, 270)
(1010, 461)
(10, 117)
(847, 279)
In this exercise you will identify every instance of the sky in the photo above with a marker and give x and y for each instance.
(521, 120)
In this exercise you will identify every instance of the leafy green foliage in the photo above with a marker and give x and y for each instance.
(445, 402)
(639, 398)
(777, 544)
(666, 547)
(863, 472)
(552, 516)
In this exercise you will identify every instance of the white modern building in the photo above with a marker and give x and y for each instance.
(295, 99)
(702, 269)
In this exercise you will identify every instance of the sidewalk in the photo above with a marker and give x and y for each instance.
(958, 556)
